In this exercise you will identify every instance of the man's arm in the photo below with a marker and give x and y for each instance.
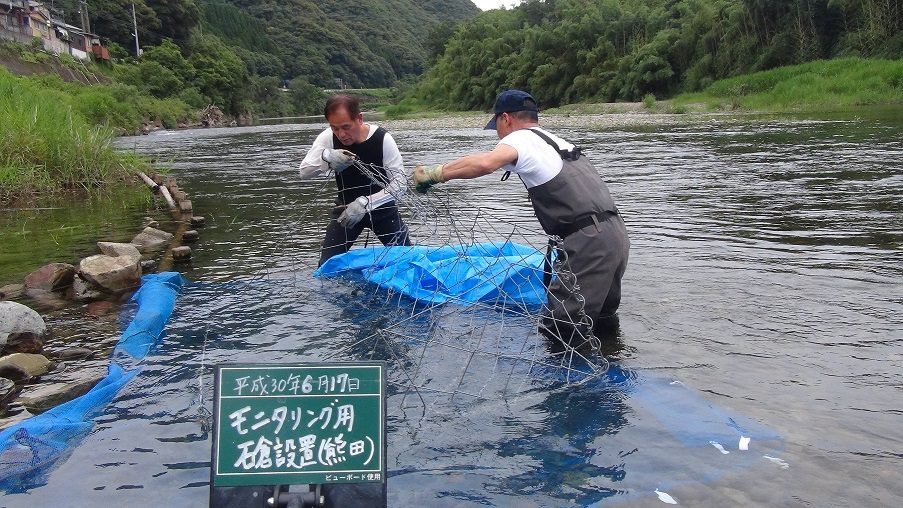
(469, 166)
(313, 164)
(479, 164)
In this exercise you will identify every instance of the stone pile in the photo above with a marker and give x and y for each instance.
(181, 208)
(32, 380)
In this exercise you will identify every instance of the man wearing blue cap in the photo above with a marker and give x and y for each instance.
(573, 206)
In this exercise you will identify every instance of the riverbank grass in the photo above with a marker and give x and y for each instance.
(822, 85)
(47, 145)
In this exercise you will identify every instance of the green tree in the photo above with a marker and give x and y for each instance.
(573, 50)
(219, 73)
(177, 19)
(113, 19)
(169, 55)
(157, 80)
(306, 99)
(438, 37)
(266, 98)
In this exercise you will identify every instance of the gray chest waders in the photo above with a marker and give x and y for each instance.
(574, 199)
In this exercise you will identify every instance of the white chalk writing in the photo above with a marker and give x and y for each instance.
(291, 383)
(300, 453)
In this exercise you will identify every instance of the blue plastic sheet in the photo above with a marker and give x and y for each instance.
(482, 272)
(31, 447)
(623, 437)
(156, 300)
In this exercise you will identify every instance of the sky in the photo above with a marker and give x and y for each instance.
(495, 4)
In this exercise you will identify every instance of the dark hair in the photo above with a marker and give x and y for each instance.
(341, 100)
(531, 116)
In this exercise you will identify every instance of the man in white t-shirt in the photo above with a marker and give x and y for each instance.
(369, 176)
(573, 206)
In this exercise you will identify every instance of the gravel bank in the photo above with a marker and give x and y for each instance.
(599, 121)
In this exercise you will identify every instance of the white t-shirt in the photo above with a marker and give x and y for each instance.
(314, 165)
(537, 162)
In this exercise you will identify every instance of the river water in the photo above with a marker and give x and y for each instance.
(765, 277)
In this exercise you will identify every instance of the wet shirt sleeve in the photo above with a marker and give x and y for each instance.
(396, 183)
(313, 164)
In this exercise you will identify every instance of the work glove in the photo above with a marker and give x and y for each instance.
(338, 160)
(424, 177)
(354, 212)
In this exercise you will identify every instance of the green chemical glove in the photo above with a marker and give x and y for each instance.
(424, 177)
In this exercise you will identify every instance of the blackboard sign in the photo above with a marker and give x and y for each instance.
(299, 424)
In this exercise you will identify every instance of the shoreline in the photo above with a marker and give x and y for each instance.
(558, 119)
(624, 115)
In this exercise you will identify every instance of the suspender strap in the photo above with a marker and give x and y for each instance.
(568, 155)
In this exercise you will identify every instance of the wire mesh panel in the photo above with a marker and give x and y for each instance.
(458, 315)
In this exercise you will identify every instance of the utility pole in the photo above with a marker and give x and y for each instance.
(83, 15)
(135, 25)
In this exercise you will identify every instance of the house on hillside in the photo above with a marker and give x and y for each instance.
(15, 21)
(41, 23)
(81, 43)
(23, 21)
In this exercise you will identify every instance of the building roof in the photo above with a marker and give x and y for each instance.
(72, 28)
(15, 3)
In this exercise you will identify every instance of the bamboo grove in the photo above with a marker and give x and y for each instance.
(567, 51)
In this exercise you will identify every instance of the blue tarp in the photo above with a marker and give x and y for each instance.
(482, 272)
(33, 445)
(156, 300)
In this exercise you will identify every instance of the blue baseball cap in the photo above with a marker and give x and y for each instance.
(510, 101)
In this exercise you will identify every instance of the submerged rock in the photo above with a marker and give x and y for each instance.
(6, 386)
(31, 364)
(115, 274)
(44, 300)
(11, 291)
(23, 342)
(100, 308)
(82, 291)
(151, 239)
(14, 419)
(51, 277)
(7, 392)
(40, 398)
(120, 250)
(148, 265)
(73, 353)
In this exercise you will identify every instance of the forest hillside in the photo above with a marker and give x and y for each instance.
(568, 51)
(364, 43)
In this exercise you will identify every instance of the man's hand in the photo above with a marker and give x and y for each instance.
(424, 177)
(338, 159)
(354, 212)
